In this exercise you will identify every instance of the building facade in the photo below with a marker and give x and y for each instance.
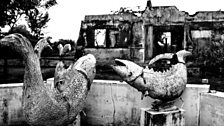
(158, 29)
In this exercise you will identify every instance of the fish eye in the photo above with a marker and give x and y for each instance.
(61, 82)
(130, 74)
(58, 83)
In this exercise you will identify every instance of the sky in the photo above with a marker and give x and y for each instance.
(67, 15)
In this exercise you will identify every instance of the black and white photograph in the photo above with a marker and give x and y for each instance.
(111, 63)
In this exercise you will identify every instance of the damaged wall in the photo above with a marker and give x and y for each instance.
(136, 37)
(207, 16)
(140, 34)
(122, 37)
(158, 21)
(117, 30)
(164, 15)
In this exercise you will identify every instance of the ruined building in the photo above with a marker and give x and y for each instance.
(158, 29)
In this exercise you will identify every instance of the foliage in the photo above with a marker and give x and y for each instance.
(128, 10)
(63, 42)
(212, 54)
(22, 29)
(66, 41)
(33, 10)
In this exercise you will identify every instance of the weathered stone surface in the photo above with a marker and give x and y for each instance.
(165, 86)
(55, 106)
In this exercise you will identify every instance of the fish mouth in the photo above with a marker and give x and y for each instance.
(119, 66)
(119, 63)
(127, 69)
(161, 56)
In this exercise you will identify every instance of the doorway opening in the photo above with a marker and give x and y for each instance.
(167, 39)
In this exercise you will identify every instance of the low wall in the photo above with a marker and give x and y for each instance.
(114, 102)
(108, 103)
(11, 104)
(211, 109)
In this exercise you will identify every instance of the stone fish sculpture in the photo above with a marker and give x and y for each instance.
(57, 106)
(164, 86)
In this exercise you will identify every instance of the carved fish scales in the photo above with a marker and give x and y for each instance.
(166, 85)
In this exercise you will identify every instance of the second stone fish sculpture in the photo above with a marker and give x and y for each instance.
(164, 86)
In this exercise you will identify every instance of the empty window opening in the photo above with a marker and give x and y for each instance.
(100, 38)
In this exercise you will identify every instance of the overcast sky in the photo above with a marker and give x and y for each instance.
(66, 16)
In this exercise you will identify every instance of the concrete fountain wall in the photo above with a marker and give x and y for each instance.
(108, 103)
(114, 102)
(211, 109)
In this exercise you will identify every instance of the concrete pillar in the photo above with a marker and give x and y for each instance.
(186, 30)
(151, 117)
(148, 42)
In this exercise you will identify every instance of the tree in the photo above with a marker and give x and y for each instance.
(35, 12)
(22, 29)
